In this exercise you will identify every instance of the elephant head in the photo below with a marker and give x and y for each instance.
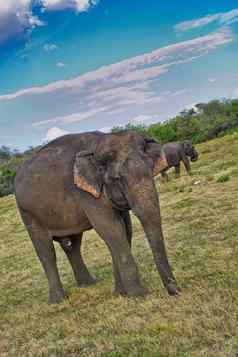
(190, 150)
(122, 167)
(106, 166)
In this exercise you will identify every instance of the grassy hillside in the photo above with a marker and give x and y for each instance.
(200, 219)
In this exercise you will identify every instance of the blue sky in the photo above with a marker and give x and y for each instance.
(80, 65)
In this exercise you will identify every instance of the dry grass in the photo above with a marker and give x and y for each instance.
(200, 218)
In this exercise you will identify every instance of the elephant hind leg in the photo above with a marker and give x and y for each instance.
(45, 250)
(71, 245)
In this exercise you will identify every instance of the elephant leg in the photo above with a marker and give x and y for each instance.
(187, 165)
(177, 170)
(165, 176)
(45, 250)
(109, 224)
(128, 225)
(119, 288)
(73, 252)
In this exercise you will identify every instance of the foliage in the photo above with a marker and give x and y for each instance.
(223, 178)
(139, 128)
(204, 122)
(10, 161)
(5, 153)
(200, 228)
(6, 180)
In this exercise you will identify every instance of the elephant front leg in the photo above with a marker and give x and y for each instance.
(177, 171)
(109, 224)
(119, 288)
(187, 165)
(73, 252)
(127, 281)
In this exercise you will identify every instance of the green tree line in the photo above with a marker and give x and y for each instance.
(202, 122)
(10, 161)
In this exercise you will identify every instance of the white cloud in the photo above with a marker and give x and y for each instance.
(49, 47)
(17, 16)
(54, 133)
(127, 86)
(223, 18)
(141, 119)
(106, 129)
(226, 17)
(77, 5)
(60, 65)
(192, 106)
(234, 94)
(211, 80)
(134, 71)
(72, 118)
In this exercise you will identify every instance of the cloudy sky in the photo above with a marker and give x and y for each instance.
(80, 65)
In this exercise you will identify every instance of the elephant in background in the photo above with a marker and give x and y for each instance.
(177, 152)
(92, 180)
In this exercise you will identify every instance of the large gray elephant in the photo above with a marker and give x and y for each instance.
(92, 180)
(177, 152)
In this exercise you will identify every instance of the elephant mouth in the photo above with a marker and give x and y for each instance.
(120, 207)
(120, 202)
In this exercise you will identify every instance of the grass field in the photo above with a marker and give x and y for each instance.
(200, 220)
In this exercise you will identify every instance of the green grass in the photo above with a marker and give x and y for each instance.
(200, 220)
(223, 178)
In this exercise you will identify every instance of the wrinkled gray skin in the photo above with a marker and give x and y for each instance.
(177, 152)
(119, 168)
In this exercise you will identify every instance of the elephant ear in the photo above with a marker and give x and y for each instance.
(155, 151)
(160, 164)
(86, 176)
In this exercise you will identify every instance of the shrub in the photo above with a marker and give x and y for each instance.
(223, 178)
(207, 122)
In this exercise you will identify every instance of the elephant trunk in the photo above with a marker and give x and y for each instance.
(145, 205)
(194, 156)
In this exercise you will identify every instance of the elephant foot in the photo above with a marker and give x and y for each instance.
(56, 297)
(138, 291)
(86, 281)
(173, 289)
(119, 291)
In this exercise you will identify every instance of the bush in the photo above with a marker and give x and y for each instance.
(7, 176)
(223, 178)
(207, 122)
